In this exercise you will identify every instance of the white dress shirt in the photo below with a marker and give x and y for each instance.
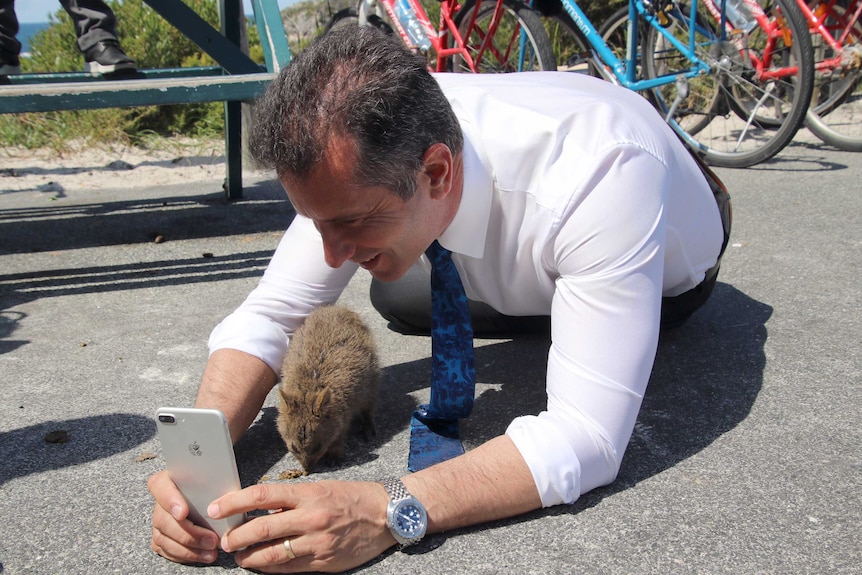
(578, 202)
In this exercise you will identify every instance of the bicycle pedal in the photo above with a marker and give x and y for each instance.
(661, 15)
(662, 18)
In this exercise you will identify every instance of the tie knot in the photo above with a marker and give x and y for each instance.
(438, 255)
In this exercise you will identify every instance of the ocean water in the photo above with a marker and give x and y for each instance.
(26, 31)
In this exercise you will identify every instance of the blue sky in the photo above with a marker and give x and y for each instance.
(38, 10)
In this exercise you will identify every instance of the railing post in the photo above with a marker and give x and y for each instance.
(230, 11)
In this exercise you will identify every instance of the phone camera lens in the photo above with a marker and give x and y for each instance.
(167, 419)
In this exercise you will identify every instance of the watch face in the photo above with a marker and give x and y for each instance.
(410, 520)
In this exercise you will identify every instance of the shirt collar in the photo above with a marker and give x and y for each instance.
(466, 233)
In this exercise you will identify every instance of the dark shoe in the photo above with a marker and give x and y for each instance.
(106, 57)
(10, 65)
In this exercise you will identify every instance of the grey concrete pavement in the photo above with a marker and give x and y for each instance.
(745, 458)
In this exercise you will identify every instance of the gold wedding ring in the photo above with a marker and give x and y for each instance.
(290, 554)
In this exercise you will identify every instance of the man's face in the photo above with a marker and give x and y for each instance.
(370, 226)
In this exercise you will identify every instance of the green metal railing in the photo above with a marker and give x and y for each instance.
(236, 78)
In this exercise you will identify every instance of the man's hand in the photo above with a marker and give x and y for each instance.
(175, 537)
(332, 525)
(235, 383)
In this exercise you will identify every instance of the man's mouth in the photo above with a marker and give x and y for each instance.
(369, 263)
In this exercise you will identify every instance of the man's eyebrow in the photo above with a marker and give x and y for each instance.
(346, 217)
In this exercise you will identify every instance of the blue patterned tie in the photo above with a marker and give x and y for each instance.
(434, 435)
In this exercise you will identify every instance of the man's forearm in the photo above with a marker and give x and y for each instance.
(487, 483)
(237, 384)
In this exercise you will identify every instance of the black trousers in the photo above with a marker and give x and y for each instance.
(406, 303)
(94, 21)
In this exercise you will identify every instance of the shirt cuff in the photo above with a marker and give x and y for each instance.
(553, 463)
(253, 334)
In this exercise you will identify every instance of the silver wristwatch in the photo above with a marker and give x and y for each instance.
(405, 516)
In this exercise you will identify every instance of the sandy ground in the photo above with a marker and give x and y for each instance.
(172, 161)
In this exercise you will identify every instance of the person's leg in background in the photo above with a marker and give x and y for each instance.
(96, 28)
(10, 47)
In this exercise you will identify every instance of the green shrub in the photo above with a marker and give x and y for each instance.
(153, 43)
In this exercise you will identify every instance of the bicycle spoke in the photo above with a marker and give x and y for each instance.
(753, 100)
(511, 42)
(836, 108)
(766, 93)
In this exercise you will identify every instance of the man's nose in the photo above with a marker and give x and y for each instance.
(337, 247)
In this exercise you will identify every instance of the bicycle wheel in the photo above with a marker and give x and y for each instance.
(835, 115)
(571, 50)
(519, 42)
(348, 16)
(756, 94)
(842, 126)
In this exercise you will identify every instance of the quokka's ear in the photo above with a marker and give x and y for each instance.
(292, 400)
(321, 400)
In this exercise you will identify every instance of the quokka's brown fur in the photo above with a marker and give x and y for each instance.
(329, 379)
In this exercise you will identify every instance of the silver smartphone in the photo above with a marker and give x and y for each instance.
(199, 455)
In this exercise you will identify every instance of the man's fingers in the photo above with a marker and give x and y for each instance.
(254, 498)
(175, 537)
(264, 529)
(173, 550)
(282, 555)
(167, 495)
(182, 542)
(183, 532)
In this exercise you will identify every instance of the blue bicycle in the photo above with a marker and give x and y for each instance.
(736, 95)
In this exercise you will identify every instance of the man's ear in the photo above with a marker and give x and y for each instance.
(438, 164)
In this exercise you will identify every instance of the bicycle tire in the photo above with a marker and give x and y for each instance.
(731, 117)
(505, 54)
(348, 16)
(842, 126)
(572, 52)
(835, 115)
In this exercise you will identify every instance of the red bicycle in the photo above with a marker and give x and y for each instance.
(835, 112)
(835, 115)
(476, 36)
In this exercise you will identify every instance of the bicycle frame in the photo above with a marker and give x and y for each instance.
(815, 24)
(837, 47)
(773, 30)
(624, 71)
(843, 57)
(439, 36)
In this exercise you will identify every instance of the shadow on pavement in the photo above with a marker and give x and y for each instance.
(259, 448)
(66, 226)
(30, 449)
(706, 377)
(15, 288)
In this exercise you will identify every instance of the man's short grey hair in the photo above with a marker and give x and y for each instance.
(358, 82)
